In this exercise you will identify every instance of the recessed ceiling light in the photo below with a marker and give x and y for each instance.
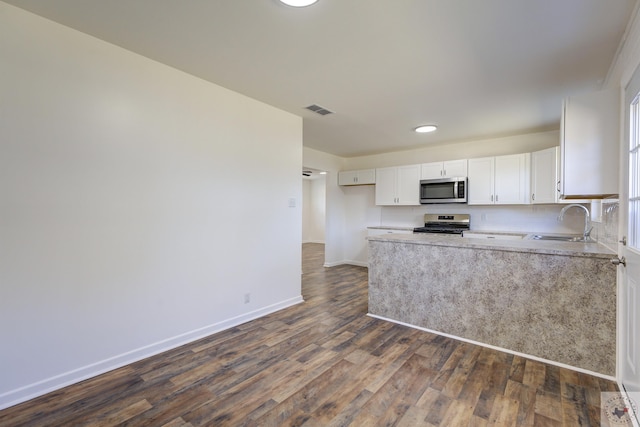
(323, 173)
(426, 128)
(298, 3)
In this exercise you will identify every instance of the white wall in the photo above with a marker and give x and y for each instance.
(306, 210)
(461, 150)
(127, 213)
(314, 210)
(360, 213)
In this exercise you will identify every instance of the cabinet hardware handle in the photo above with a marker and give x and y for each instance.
(492, 197)
(623, 241)
(533, 197)
(618, 261)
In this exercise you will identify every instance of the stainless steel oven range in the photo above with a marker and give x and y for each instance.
(445, 223)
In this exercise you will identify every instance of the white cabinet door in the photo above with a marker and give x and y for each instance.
(398, 185)
(347, 178)
(358, 177)
(383, 231)
(544, 176)
(511, 179)
(590, 125)
(502, 180)
(409, 185)
(454, 168)
(480, 182)
(431, 170)
(448, 169)
(386, 184)
(366, 176)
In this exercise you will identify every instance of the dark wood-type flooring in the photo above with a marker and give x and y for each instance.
(324, 363)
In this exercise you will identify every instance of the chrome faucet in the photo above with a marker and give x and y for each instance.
(586, 236)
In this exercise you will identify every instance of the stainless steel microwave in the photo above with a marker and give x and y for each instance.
(443, 190)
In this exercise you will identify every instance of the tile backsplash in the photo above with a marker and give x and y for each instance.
(606, 232)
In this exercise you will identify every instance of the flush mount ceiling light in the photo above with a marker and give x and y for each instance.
(298, 3)
(426, 128)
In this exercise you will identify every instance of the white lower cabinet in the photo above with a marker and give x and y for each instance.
(501, 180)
(396, 186)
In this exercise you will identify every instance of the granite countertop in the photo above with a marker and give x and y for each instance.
(589, 250)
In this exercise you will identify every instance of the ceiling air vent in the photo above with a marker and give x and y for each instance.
(318, 109)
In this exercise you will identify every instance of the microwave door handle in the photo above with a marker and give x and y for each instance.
(455, 189)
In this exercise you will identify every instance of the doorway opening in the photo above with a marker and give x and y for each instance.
(314, 202)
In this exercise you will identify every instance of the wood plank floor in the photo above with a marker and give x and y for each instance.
(324, 363)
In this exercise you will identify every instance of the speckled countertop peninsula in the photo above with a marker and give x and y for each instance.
(592, 250)
(548, 299)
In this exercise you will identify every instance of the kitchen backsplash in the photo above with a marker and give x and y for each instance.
(606, 231)
(529, 218)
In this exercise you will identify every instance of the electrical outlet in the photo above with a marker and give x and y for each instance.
(247, 298)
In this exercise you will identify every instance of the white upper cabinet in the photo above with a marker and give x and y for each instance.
(589, 146)
(480, 190)
(449, 169)
(397, 186)
(359, 177)
(502, 180)
(544, 176)
(386, 184)
(513, 180)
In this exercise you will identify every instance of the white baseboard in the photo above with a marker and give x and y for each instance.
(358, 263)
(347, 262)
(333, 264)
(31, 391)
(493, 347)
